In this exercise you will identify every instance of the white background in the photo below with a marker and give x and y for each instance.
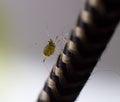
(23, 74)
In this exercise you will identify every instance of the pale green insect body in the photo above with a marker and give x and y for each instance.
(49, 48)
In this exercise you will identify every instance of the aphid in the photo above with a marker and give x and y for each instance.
(50, 48)
(52, 45)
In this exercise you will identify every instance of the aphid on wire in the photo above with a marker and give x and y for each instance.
(50, 48)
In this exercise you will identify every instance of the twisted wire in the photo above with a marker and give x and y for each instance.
(94, 29)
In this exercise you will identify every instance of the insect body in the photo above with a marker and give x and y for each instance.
(49, 48)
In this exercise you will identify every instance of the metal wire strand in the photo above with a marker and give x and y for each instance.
(94, 28)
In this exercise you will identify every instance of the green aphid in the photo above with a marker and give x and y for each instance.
(50, 48)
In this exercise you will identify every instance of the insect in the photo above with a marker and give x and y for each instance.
(52, 45)
(50, 48)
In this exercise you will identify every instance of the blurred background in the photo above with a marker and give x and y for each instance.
(26, 26)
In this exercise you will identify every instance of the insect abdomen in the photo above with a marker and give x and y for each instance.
(49, 50)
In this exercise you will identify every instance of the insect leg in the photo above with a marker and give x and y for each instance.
(44, 59)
